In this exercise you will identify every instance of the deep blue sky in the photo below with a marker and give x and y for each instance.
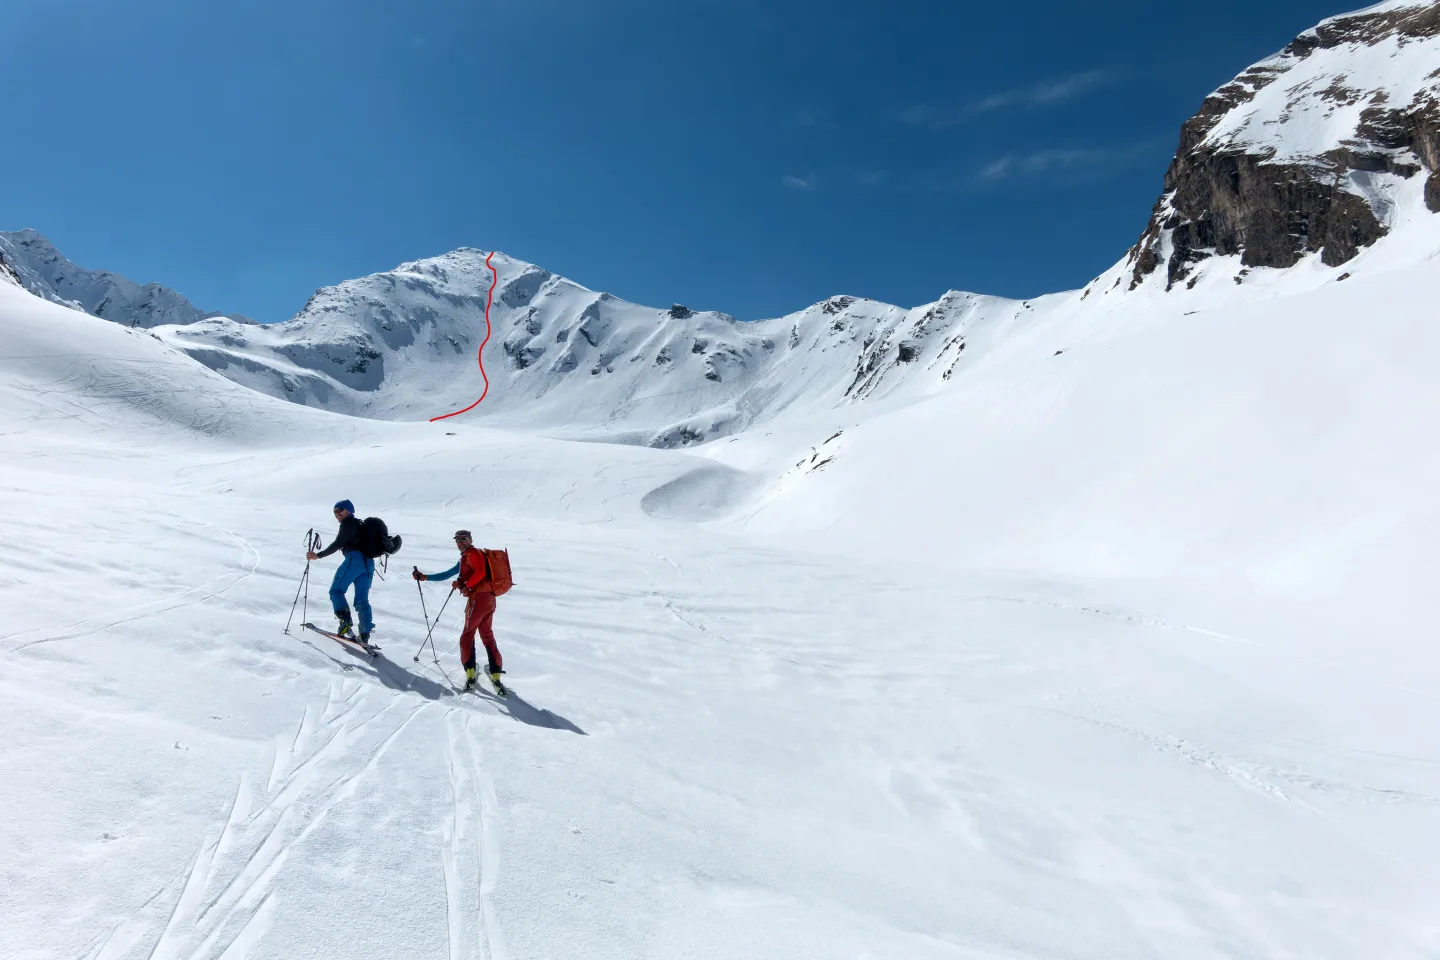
(747, 156)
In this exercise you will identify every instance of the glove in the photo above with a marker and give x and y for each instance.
(418, 575)
(457, 585)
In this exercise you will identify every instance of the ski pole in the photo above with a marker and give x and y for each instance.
(298, 587)
(310, 540)
(422, 613)
(429, 635)
(312, 544)
(433, 652)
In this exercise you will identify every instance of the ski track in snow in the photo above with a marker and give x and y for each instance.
(227, 892)
(471, 862)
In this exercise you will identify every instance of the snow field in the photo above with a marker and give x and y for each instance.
(808, 726)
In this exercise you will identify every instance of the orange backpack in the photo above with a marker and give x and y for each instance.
(499, 563)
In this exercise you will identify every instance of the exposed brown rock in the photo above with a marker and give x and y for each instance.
(1223, 200)
(1415, 23)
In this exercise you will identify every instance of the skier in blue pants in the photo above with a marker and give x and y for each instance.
(356, 569)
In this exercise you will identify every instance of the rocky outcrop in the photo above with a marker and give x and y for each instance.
(8, 273)
(1300, 153)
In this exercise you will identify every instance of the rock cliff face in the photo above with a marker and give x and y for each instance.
(1308, 151)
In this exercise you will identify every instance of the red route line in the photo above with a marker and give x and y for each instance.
(480, 354)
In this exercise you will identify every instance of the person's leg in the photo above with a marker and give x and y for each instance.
(467, 638)
(485, 604)
(363, 579)
(344, 576)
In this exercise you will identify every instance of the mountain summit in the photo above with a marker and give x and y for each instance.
(1324, 148)
(1322, 156)
(402, 345)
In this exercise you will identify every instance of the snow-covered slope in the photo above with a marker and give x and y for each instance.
(1115, 645)
(1316, 152)
(402, 345)
(761, 709)
(45, 272)
(1271, 443)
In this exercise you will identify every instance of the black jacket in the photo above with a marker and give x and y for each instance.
(347, 539)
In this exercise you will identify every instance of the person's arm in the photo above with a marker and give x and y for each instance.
(442, 576)
(348, 537)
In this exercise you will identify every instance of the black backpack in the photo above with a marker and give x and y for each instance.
(375, 539)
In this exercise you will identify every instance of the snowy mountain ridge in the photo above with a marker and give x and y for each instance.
(402, 345)
(35, 264)
(1314, 164)
(1326, 155)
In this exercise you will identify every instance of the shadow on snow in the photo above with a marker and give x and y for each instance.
(397, 677)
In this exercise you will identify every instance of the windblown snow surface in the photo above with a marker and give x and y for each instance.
(1118, 646)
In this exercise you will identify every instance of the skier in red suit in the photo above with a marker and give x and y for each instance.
(472, 578)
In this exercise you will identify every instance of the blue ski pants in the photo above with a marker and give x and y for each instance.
(354, 569)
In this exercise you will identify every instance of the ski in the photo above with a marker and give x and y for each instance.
(367, 648)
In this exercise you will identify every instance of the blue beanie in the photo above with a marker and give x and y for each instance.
(347, 505)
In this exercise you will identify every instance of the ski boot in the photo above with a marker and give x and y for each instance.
(500, 690)
(346, 625)
(469, 679)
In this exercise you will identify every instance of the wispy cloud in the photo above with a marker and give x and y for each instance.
(871, 178)
(1069, 163)
(997, 169)
(806, 182)
(1045, 93)
(1029, 97)
(1040, 162)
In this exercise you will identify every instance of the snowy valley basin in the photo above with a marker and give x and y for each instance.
(1158, 680)
(1096, 626)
